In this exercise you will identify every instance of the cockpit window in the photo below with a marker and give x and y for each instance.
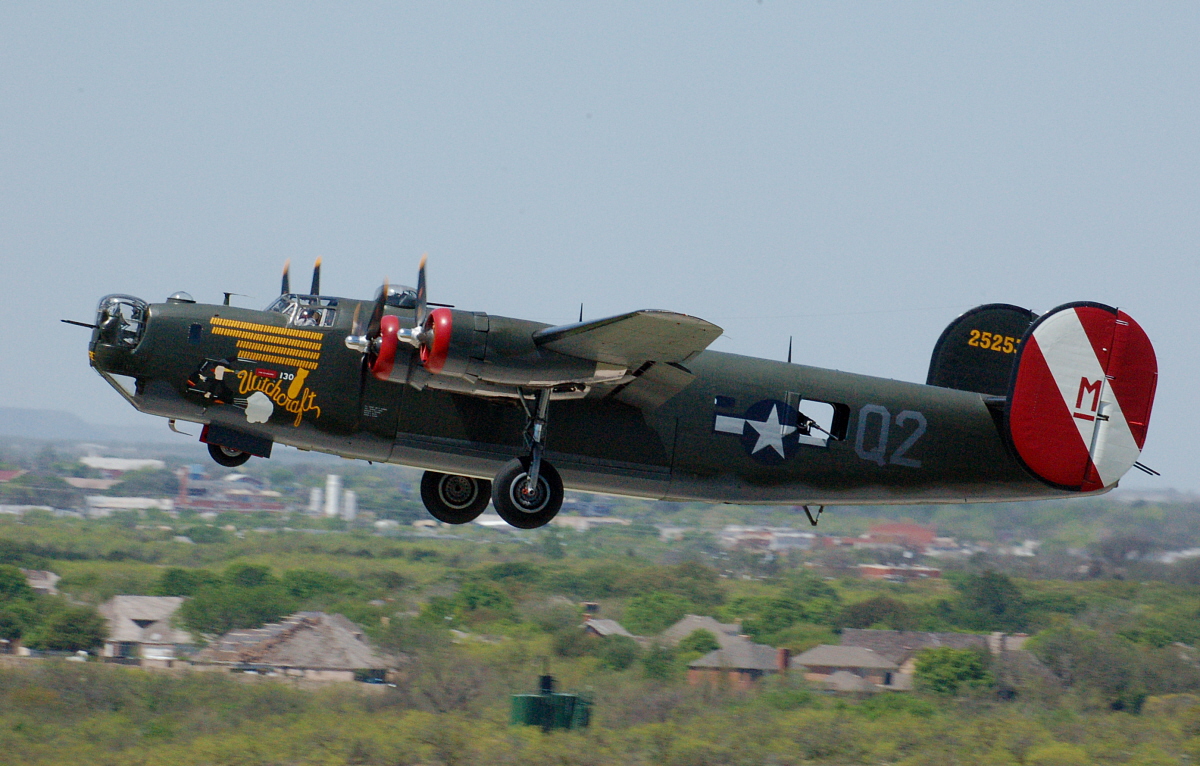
(306, 310)
(401, 297)
(121, 320)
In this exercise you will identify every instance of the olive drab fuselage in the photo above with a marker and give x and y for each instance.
(743, 430)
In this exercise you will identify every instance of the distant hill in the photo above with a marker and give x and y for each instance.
(57, 425)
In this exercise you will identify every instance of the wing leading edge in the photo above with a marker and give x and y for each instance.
(632, 339)
(651, 344)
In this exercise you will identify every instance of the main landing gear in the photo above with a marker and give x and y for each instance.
(528, 492)
(454, 499)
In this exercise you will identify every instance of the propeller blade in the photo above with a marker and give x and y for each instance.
(316, 283)
(422, 310)
(354, 328)
(286, 287)
(377, 312)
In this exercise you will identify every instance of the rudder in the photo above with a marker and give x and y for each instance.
(1080, 397)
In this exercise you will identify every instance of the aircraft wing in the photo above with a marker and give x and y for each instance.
(651, 344)
(633, 339)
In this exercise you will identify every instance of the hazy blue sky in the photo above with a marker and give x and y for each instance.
(855, 175)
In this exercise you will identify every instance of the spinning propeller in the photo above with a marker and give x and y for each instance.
(285, 285)
(378, 339)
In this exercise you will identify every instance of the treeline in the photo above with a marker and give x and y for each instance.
(45, 622)
(59, 713)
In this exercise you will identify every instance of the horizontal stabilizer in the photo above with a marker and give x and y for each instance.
(1080, 399)
(629, 340)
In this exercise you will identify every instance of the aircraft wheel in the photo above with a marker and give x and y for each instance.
(526, 510)
(454, 499)
(230, 458)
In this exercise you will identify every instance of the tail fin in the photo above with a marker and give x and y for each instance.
(977, 351)
(1080, 397)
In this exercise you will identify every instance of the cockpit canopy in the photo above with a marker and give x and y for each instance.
(306, 310)
(321, 310)
(401, 297)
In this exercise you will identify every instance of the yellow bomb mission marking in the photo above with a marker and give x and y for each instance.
(297, 399)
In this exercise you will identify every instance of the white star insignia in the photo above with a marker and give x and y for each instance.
(770, 432)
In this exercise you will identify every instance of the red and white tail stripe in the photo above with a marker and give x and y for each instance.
(1081, 397)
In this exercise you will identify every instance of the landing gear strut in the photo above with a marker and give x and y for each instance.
(528, 492)
(454, 499)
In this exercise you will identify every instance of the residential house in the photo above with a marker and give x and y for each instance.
(822, 662)
(233, 492)
(604, 628)
(309, 645)
(739, 663)
(139, 628)
(903, 646)
(725, 633)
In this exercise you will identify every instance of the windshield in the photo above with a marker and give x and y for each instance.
(306, 310)
(401, 297)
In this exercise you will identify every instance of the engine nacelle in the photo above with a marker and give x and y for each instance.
(484, 354)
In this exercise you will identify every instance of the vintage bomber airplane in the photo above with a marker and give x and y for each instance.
(1015, 407)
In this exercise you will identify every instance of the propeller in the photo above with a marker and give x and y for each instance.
(286, 287)
(421, 294)
(362, 335)
(378, 338)
(316, 283)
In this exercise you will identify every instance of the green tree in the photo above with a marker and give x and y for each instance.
(772, 615)
(572, 642)
(699, 640)
(13, 584)
(70, 628)
(474, 596)
(146, 482)
(37, 489)
(248, 575)
(618, 652)
(225, 607)
(880, 611)
(659, 663)
(991, 601)
(183, 582)
(304, 584)
(1101, 669)
(653, 613)
(948, 671)
(11, 626)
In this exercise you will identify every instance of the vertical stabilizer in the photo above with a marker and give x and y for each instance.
(1081, 394)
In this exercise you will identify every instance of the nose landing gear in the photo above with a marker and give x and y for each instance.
(227, 456)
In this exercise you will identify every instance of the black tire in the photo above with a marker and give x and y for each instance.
(230, 458)
(454, 499)
(526, 512)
